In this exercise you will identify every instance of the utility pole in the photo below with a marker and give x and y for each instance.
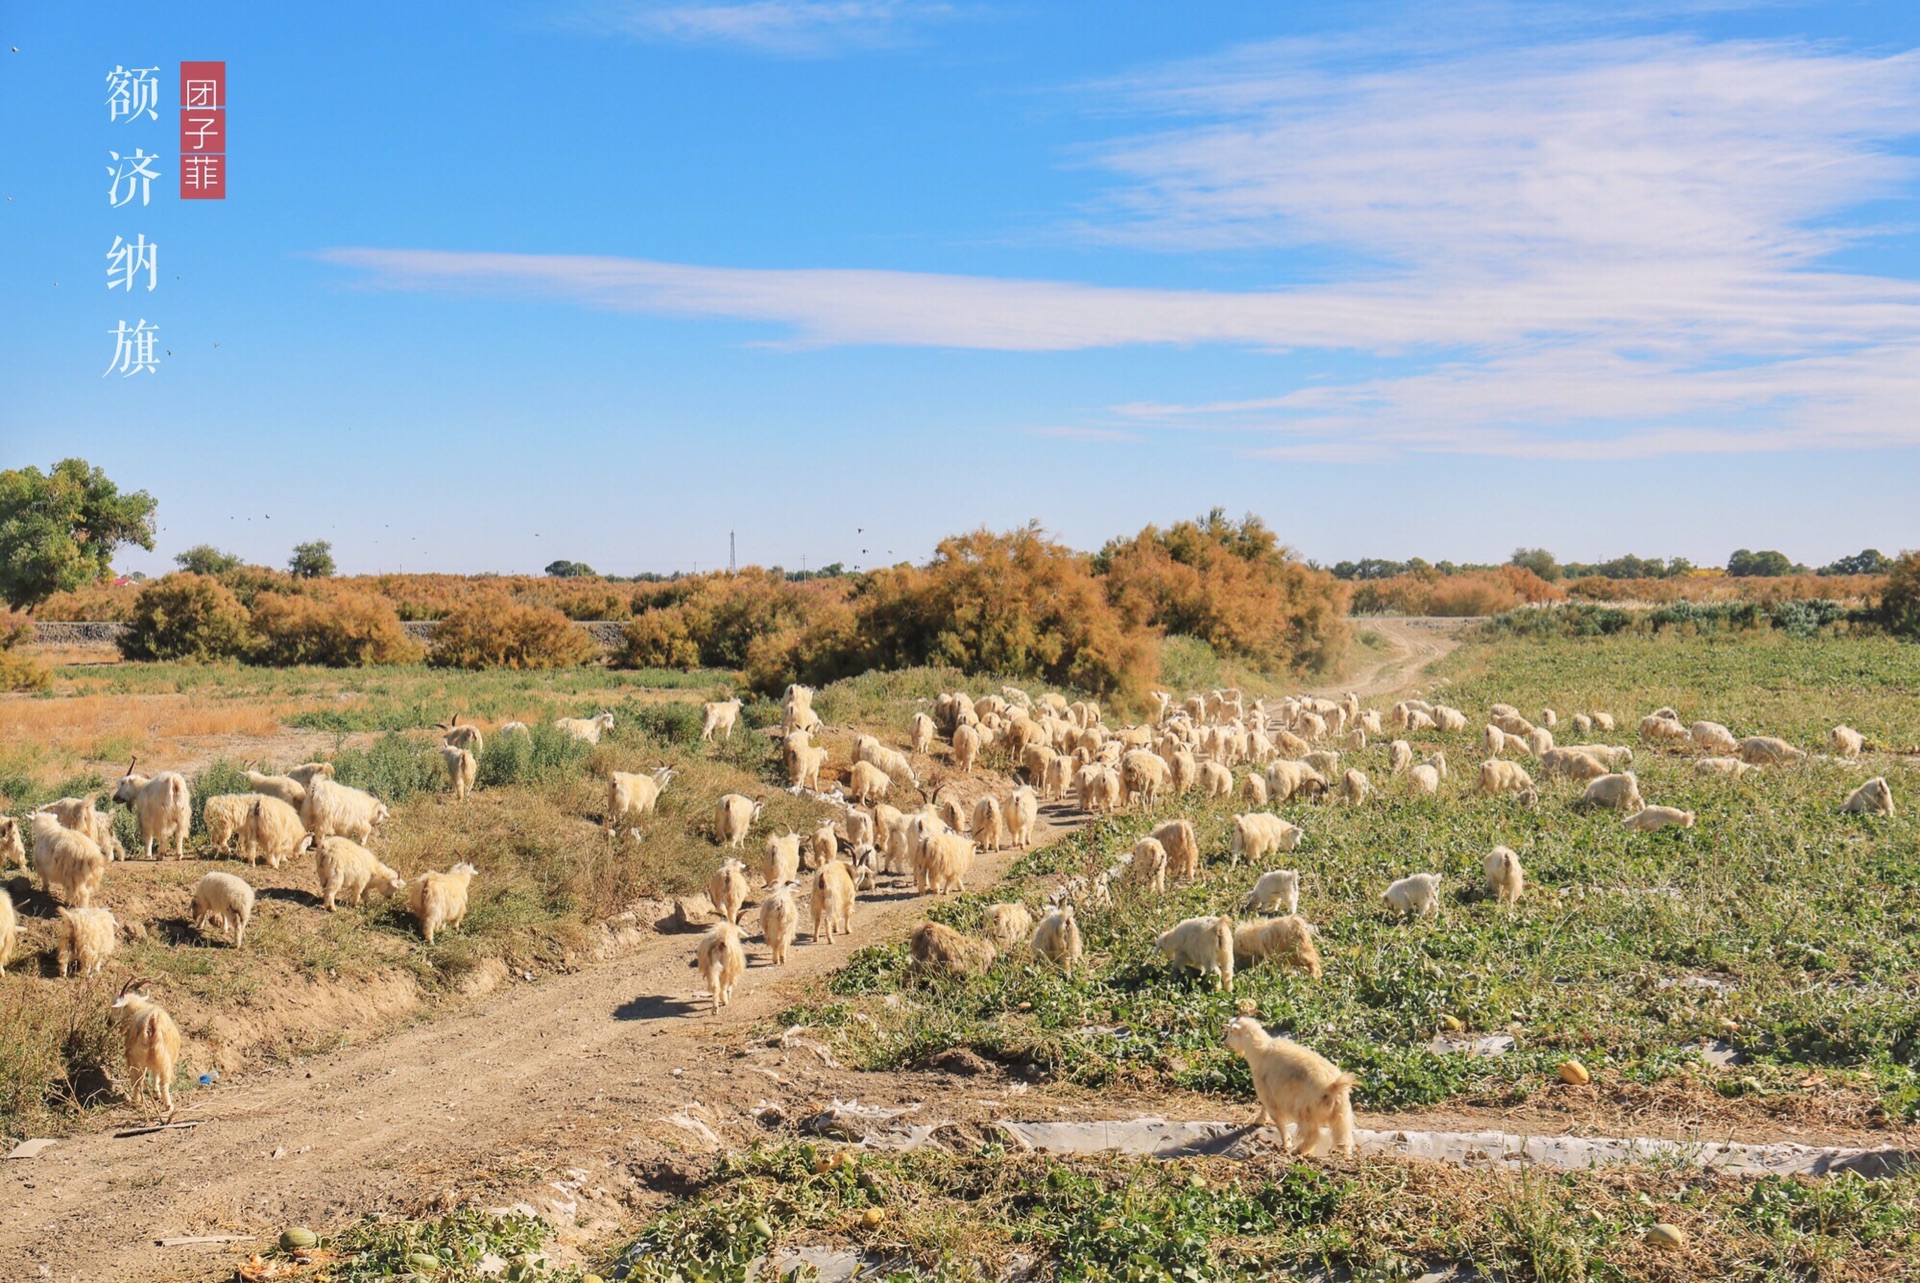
(733, 567)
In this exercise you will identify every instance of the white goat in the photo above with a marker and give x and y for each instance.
(719, 717)
(87, 938)
(150, 1042)
(630, 793)
(1295, 1085)
(225, 899)
(587, 730)
(162, 804)
(1506, 880)
(344, 867)
(341, 810)
(733, 817)
(1201, 944)
(439, 900)
(1416, 895)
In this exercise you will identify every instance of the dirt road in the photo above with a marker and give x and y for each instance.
(1413, 643)
(577, 1094)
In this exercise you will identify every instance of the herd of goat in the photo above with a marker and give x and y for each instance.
(1291, 749)
(1058, 750)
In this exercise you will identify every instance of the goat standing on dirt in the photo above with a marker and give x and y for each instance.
(721, 960)
(440, 899)
(151, 1040)
(1295, 1085)
(163, 805)
(71, 865)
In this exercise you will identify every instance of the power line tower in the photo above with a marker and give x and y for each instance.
(733, 566)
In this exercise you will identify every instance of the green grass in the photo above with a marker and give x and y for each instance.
(452, 1249)
(1765, 683)
(1803, 918)
(936, 1216)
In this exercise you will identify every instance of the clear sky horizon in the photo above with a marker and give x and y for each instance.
(510, 281)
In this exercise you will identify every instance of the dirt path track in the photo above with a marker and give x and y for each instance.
(556, 1093)
(1416, 642)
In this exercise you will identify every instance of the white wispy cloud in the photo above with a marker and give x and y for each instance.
(792, 28)
(1610, 248)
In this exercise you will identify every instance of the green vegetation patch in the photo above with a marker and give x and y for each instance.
(1776, 925)
(992, 1213)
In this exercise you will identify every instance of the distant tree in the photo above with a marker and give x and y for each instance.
(1538, 560)
(1368, 568)
(1869, 561)
(568, 570)
(1627, 567)
(1767, 564)
(1679, 568)
(1900, 600)
(205, 559)
(312, 560)
(59, 529)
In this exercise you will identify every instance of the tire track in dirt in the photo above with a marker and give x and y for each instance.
(1416, 642)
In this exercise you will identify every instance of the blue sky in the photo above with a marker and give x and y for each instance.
(502, 282)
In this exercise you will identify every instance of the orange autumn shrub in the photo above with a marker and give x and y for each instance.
(341, 630)
(1232, 585)
(187, 616)
(1461, 594)
(495, 631)
(1007, 603)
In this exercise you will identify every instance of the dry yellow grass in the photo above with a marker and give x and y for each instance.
(80, 722)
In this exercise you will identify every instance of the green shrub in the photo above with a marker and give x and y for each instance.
(1189, 664)
(1899, 609)
(15, 628)
(1232, 585)
(187, 616)
(1008, 603)
(51, 1060)
(658, 639)
(1796, 617)
(677, 722)
(543, 754)
(392, 768)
